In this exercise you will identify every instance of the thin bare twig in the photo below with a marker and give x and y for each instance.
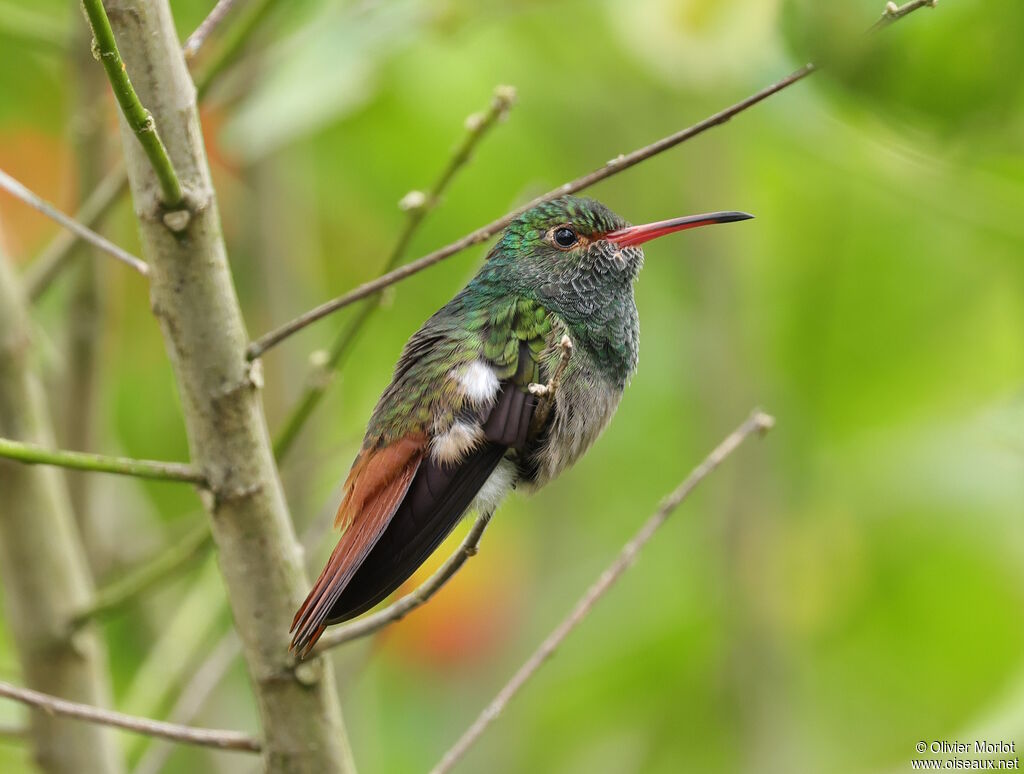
(195, 41)
(15, 188)
(613, 167)
(203, 737)
(895, 12)
(418, 205)
(402, 607)
(482, 234)
(757, 422)
(126, 466)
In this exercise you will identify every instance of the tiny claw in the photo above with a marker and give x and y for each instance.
(544, 390)
(539, 390)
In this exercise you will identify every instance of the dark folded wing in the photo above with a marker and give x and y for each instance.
(435, 501)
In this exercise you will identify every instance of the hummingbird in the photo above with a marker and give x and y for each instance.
(507, 385)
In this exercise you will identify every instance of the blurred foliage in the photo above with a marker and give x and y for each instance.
(849, 586)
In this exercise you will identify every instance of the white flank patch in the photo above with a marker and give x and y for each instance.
(452, 445)
(495, 487)
(477, 382)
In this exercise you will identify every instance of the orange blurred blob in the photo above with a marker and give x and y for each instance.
(471, 616)
(42, 162)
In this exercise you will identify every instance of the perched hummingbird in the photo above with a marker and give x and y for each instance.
(509, 383)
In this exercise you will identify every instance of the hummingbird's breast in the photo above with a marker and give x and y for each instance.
(585, 402)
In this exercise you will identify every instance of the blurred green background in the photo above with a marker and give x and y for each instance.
(849, 586)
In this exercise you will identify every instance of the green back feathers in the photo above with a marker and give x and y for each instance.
(508, 310)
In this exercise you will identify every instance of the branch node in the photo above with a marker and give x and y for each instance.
(319, 358)
(763, 422)
(309, 672)
(177, 220)
(234, 494)
(251, 379)
(256, 374)
(414, 200)
(505, 97)
(320, 372)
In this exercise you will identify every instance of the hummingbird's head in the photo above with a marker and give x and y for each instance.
(576, 249)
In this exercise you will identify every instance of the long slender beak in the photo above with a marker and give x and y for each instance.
(637, 235)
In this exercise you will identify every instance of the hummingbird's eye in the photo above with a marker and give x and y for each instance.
(564, 236)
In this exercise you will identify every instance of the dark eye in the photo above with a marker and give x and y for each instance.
(565, 236)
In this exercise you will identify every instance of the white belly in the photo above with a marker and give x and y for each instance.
(496, 487)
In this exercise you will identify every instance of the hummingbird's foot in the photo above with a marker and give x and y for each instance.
(548, 390)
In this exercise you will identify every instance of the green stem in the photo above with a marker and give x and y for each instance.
(418, 206)
(139, 580)
(138, 118)
(55, 256)
(125, 466)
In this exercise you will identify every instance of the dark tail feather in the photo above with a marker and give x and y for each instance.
(436, 500)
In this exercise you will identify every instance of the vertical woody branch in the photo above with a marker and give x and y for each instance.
(42, 565)
(194, 300)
